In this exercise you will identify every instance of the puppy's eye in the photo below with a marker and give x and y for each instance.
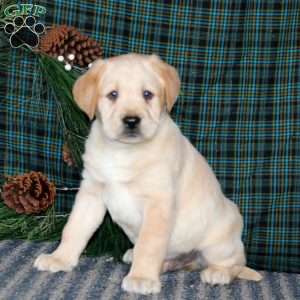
(147, 95)
(113, 95)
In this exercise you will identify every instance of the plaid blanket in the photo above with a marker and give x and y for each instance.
(239, 65)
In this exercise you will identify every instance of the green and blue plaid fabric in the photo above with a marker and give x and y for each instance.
(239, 65)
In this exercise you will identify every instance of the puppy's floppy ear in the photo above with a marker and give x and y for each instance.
(85, 89)
(170, 78)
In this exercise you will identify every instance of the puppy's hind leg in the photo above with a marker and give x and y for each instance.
(87, 214)
(226, 261)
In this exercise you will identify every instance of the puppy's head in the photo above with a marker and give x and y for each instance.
(129, 94)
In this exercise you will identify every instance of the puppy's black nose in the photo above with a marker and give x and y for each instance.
(131, 122)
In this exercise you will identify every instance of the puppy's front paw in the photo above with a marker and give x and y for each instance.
(52, 263)
(216, 276)
(141, 285)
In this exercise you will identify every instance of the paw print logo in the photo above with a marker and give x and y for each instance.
(24, 32)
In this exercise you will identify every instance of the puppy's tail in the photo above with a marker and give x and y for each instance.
(249, 274)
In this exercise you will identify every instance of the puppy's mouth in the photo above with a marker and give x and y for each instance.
(131, 133)
(131, 136)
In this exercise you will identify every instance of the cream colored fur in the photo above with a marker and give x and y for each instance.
(156, 186)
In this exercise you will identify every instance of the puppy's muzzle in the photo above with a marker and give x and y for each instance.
(131, 122)
(131, 126)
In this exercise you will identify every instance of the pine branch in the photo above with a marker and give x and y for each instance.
(75, 123)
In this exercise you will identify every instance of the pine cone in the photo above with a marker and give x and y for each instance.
(30, 193)
(65, 40)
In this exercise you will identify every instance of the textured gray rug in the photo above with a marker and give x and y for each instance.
(100, 278)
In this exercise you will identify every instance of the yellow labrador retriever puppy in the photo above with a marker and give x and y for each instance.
(153, 182)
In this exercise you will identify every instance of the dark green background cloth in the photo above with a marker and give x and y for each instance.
(239, 65)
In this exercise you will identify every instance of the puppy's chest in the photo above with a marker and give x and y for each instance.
(116, 170)
(107, 168)
(124, 208)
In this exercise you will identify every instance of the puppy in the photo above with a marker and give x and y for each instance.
(153, 182)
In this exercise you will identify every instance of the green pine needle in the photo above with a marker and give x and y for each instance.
(16, 226)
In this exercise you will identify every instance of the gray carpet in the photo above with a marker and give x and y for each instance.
(100, 278)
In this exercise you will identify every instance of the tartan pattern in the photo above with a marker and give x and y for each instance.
(238, 62)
